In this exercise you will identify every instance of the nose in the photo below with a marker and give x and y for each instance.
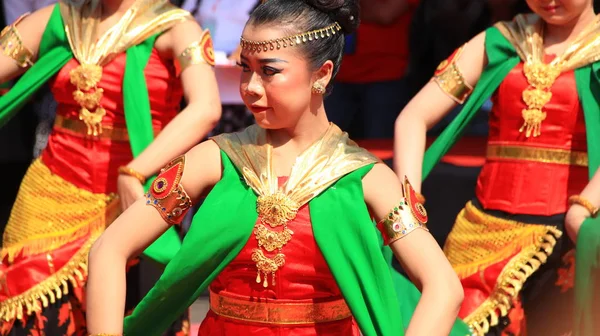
(253, 86)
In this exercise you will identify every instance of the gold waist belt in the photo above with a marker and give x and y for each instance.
(281, 313)
(545, 155)
(79, 127)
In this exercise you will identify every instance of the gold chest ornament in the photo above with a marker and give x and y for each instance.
(540, 77)
(275, 210)
(88, 95)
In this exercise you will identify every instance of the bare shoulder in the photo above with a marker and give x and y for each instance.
(473, 59)
(31, 28)
(172, 42)
(203, 168)
(382, 189)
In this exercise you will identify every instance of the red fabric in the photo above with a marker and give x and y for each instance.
(381, 52)
(26, 272)
(305, 277)
(535, 188)
(92, 164)
(480, 285)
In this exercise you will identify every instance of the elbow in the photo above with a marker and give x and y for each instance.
(102, 250)
(448, 293)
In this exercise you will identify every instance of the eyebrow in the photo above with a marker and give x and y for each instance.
(267, 60)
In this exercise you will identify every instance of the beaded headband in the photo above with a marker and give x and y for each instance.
(258, 46)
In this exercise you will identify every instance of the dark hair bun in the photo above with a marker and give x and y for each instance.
(344, 12)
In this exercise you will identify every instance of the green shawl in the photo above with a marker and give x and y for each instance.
(502, 58)
(343, 231)
(55, 53)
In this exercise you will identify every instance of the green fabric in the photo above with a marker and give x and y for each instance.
(55, 53)
(343, 231)
(587, 261)
(502, 58)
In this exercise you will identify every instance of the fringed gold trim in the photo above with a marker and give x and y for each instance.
(49, 242)
(51, 289)
(510, 282)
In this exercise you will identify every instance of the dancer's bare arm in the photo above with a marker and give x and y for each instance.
(129, 236)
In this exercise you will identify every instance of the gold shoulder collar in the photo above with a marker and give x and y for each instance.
(525, 33)
(142, 20)
(317, 168)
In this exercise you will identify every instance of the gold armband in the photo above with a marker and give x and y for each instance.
(12, 45)
(196, 53)
(167, 195)
(451, 80)
(408, 216)
(584, 202)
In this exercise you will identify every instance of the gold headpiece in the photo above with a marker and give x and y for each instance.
(258, 46)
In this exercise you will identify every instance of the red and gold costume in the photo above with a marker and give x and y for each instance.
(280, 282)
(536, 159)
(68, 196)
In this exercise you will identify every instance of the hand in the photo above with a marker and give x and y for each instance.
(573, 220)
(130, 190)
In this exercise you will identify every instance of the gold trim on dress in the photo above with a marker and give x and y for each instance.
(69, 213)
(279, 313)
(109, 132)
(526, 35)
(12, 44)
(317, 168)
(51, 289)
(479, 240)
(143, 19)
(536, 154)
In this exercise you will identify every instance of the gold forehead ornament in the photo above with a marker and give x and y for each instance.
(258, 46)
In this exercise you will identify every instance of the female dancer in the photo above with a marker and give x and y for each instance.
(284, 240)
(538, 180)
(113, 68)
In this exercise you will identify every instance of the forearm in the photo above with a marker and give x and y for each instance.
(409, 146)
(182, 133)
(105, 292)
(436, 312)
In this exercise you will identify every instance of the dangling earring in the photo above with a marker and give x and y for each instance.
(318, 88)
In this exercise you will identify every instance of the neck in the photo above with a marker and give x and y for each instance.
(570, 30)
(110, 7)
(309, 128)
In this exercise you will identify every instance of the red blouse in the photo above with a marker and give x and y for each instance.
(92, 163)
(305, 277)
(528, 187)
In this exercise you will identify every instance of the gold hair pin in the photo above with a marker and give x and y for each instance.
(258, 46)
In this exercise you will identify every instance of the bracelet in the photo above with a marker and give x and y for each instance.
(131, 172)
(580, 200)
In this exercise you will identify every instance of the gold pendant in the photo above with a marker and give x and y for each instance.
(540, 77)
(267, 266)
(271, 240)
(276, 209)
(86, 78)
(93, 120)
(533, 122)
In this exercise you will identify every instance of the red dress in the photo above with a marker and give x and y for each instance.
(305, 277)
(67, 198)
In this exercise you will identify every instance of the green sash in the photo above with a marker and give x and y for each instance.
(55, 53)
(503, 58)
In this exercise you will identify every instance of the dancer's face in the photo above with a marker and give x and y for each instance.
(560, 12)
(276, 84)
